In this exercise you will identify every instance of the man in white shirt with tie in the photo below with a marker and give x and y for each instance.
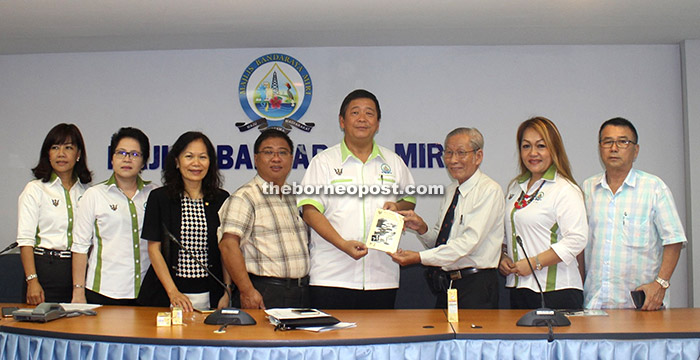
(464, 246)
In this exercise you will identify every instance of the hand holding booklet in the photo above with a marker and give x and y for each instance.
(385, 233)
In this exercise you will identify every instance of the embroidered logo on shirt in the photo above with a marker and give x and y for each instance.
(113, 207)
(55, 202)
(338, 171)
(539, 196)
(386, 169)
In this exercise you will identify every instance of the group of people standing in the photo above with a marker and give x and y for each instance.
(588, 246)
(107, 244)
(118, 242)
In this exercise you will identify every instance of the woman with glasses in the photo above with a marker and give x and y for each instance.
(546, 212)
(46, 212)
(108, 225)
(185, 210)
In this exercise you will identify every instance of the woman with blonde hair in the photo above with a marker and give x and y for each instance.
(545, 209)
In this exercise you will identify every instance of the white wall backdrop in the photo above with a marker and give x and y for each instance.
(424, 93)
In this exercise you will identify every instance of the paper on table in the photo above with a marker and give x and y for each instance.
(586, 312)
(294, 313)
(79, 307)
(338, 326)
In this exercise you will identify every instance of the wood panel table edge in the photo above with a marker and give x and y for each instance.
(137, 325)
(627, 324)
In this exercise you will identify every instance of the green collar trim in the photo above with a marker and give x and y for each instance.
(54, 176)
(140, 183)
(345, 152)
(550, 174)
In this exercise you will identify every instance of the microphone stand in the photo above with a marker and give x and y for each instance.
(9, 247)
(228, 315)
(543, 316)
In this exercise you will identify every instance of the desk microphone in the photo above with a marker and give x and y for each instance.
(9, 247)
(543, 316)
(228, 315)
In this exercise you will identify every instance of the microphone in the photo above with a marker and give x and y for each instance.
(543, 316)
(9, 247)
(228, 315)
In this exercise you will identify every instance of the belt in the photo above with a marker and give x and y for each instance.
(63, 254)
(300, 282)
(462, 273)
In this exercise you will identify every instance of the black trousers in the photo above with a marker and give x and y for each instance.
(558, 299)
(97, 298)
(475, 291)
(277, 295)
(55, 275)
(324, 297)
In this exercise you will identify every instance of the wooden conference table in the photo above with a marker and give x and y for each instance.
(137, 325)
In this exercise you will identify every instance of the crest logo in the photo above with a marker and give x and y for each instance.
(113, 207)
(386, 169)
(55, 202)
(338, 171)
(275, 91)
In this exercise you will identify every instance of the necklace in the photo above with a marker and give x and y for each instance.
(525, 200)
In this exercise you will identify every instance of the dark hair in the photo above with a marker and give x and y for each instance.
(63, 134)
(272, 133)
(136, 134)
(360, 94)
(618, 121)
(171, 176)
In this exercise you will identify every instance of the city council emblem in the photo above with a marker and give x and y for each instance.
(275, 91)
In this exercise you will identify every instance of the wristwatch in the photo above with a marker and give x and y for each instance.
(31, 277)
(538, 266)
(664, 283)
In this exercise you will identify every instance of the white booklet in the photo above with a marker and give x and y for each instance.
(385, 232)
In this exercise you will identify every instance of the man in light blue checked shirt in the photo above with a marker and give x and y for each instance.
(635, 235)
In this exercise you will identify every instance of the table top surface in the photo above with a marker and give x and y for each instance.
(138, 325)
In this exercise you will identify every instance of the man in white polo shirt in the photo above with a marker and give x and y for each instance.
(344, 273)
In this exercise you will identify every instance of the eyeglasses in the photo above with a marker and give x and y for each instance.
(461, 154)
(123, 154)
(270, 153)
(621, 143)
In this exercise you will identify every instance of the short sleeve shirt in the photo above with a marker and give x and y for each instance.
(273, 236)
(556, 219)
(628, 231)
(351, 215)
(46, 212)
(110, 223)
